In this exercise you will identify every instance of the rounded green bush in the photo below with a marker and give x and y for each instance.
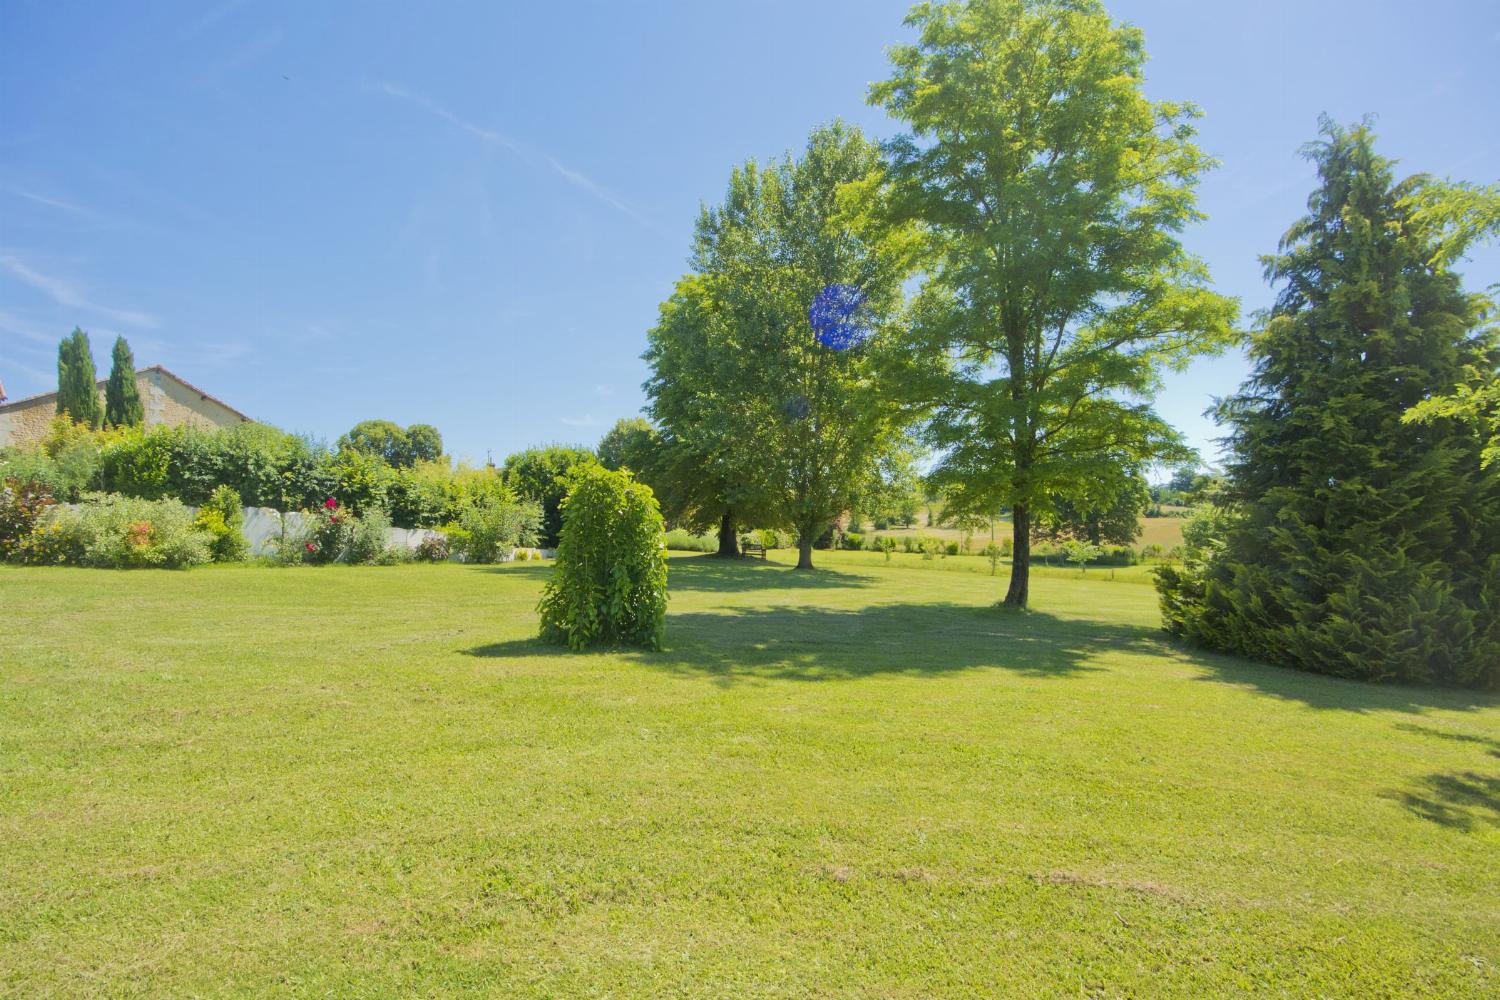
(610, 582)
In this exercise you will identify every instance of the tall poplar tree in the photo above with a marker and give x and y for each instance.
(1053, 193)
(1359, 543)
(77, 385)
(122, 397)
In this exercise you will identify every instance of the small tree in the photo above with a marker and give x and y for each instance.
(77, 385)
(1081, 553)
(224, 519)
(122, 397)
(992, 553)
(610, 583)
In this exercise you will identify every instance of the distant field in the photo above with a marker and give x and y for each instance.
(1164, 531)
(861, 782)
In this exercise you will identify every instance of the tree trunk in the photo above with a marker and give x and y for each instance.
(729, 543)
(1020, 564)
(804, 551)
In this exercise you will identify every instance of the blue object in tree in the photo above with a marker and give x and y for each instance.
(838, 317)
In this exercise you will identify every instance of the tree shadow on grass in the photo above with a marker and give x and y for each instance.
(821, 644)
(1322, 691)
(712, 574)
(1462, 800)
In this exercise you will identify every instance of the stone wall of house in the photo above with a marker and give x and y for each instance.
(26, 422)
(164, 399)
(168, 401)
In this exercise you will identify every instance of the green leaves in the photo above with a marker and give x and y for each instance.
(610, 581)
(1051, 192)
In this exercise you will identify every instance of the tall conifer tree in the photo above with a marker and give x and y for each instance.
(77, 385)
(122, 397)
(1361, 545)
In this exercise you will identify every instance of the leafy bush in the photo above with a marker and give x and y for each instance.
(110, 531)
(853, 541)
(490, 528)
(950, 548)
(21, 505)
(367, 539)
(993, 554)
(224, 520)
(685, 541)
(433, 548)
(1080, 552)
(610, 582)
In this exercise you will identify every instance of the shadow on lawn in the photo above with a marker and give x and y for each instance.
(1461, 801)
(820, 644)
(1324, 692)
(712, 574)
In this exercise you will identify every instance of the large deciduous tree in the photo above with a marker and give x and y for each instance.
(1053, 193)
(77, 385)
(1357, 543)
(766, 361)
(122, 397)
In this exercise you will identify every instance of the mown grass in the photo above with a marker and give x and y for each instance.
(861, 782)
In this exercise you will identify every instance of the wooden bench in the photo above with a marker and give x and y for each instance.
(749, 548)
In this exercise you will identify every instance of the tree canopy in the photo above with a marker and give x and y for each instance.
(396, 446)
(77, 385)
(1357, 542)
(1052, 193)
(122, 397)
(766, 359)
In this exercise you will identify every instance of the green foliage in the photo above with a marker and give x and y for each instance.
(21, 505)
(1053, 192)
(66, 461)
(122, 397)
(492, 525)
(109, 531)
(223, 518)
(367, 539)
(993, 554)
(632, 443)
(1103, 518)
(540, 476)
(77, 385)
(393, 445)
(610, 582)
(1080, 553)
(1359, 543)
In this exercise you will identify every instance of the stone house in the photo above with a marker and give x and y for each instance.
(168, 399)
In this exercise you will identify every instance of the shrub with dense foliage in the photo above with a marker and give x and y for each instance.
(110, 531)
(1358, 544)
(541, 476)
(492, 527)
(610, 581)
(223, 518)
(21, 505)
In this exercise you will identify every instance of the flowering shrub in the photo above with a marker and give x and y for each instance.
(328, 534)
(21, 504)
(610, 582)
(110, 531)
(433, 548)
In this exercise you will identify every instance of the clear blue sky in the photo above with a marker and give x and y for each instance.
(466, 214)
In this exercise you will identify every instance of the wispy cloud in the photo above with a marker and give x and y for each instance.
(605, 390)
(57, 203)
(587, 420)
(526, 152)
(65, 294)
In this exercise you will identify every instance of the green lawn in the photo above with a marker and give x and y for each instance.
(863, 782)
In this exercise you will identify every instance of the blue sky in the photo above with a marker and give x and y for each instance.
(466, 214)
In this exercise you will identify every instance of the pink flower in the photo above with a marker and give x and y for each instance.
(330, 504)
(311, 547)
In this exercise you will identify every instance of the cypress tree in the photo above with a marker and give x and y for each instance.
(1360, 545)
(122, 397)
(77, 385)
